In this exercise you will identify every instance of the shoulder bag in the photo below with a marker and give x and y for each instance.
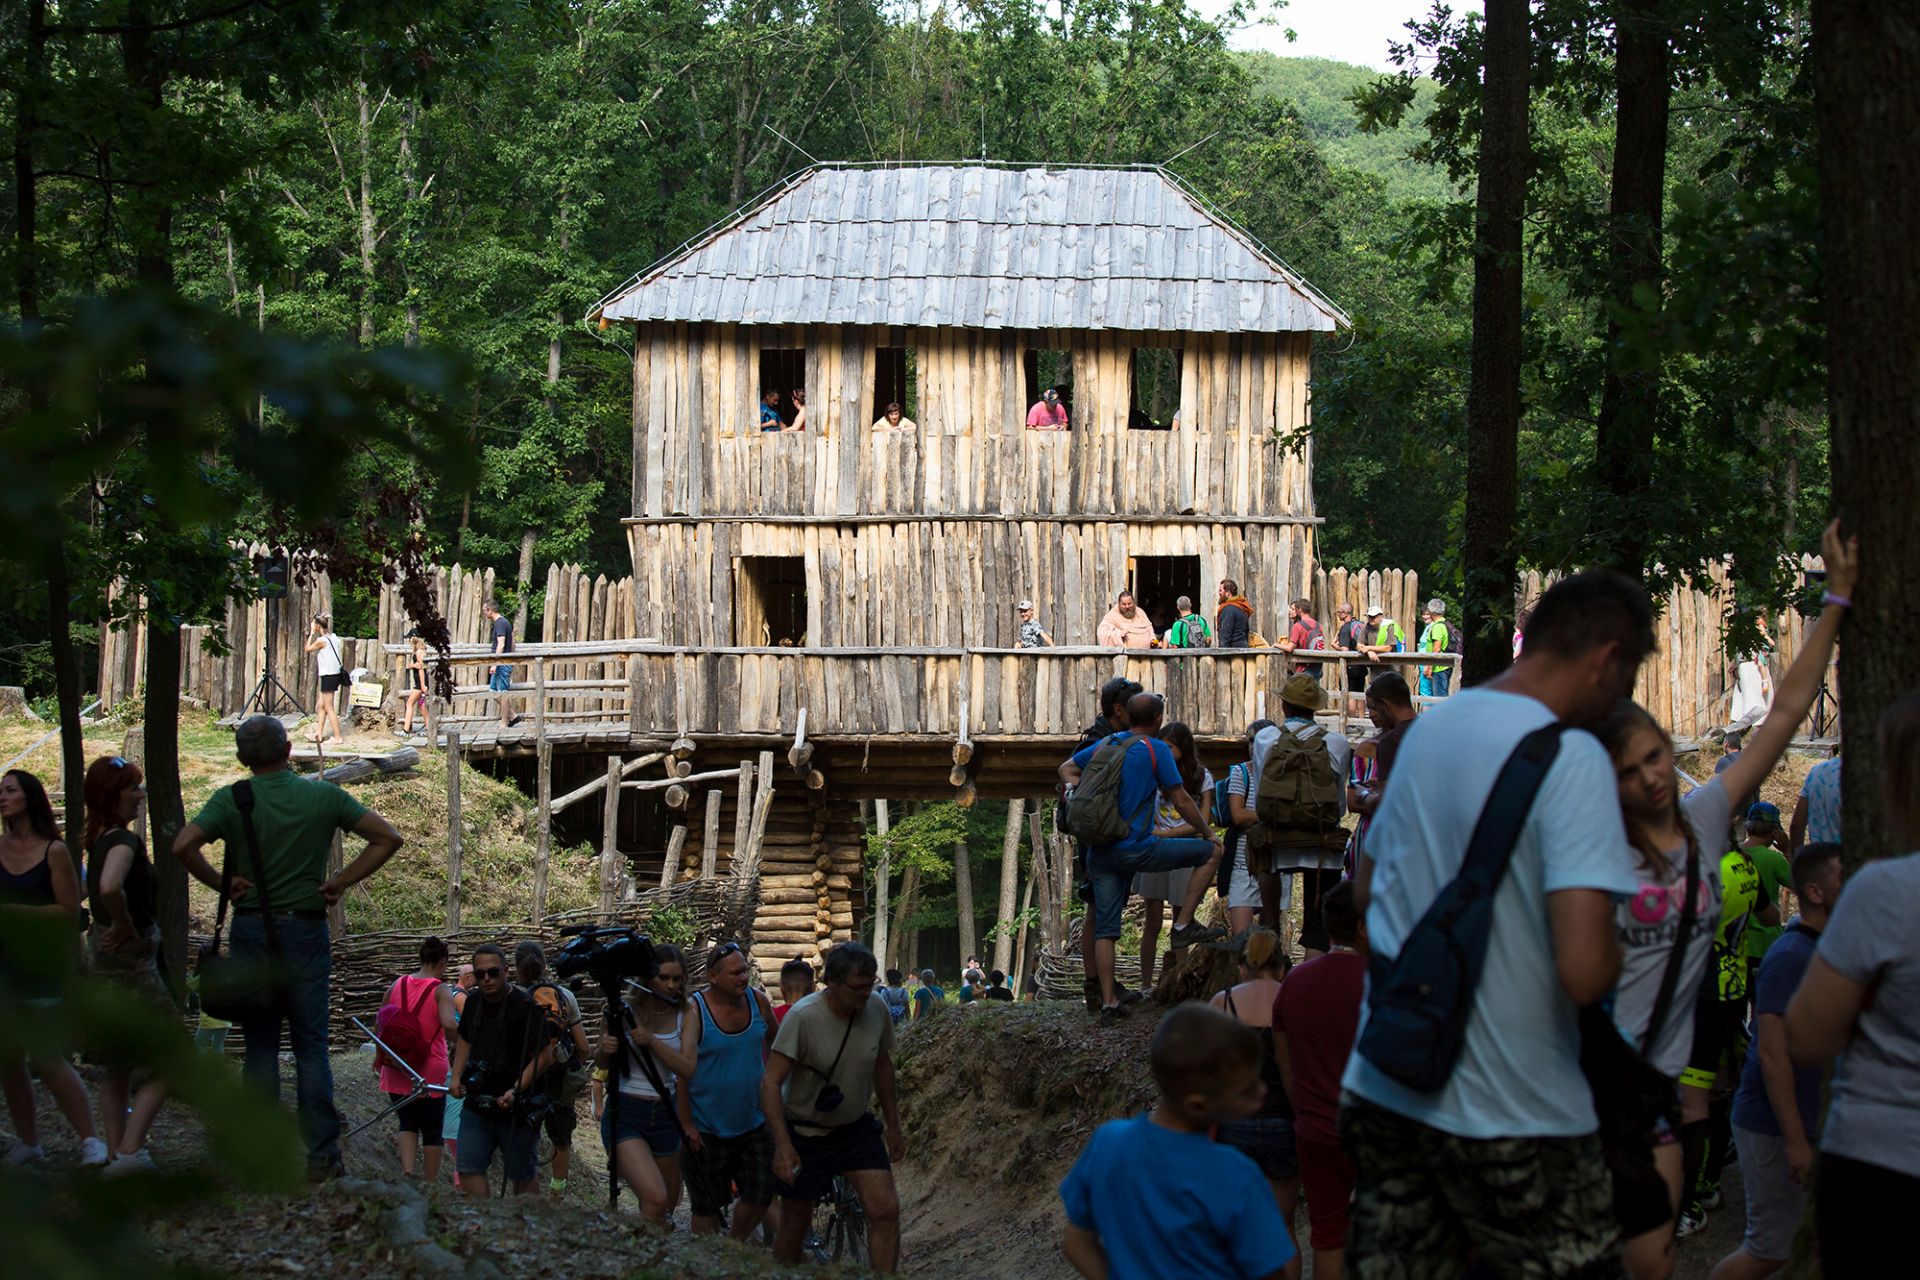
(236, 987)
(1420, 1001)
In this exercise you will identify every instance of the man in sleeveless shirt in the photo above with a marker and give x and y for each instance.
(728, 1144)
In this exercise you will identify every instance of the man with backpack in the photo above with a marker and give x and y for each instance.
(1189, 630)
(567, 1079)
(897, 996)
(1304, 636)
(1299, 772)
(1471, 1125)
(1115, 786)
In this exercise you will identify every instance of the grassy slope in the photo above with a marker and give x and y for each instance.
(411, 891)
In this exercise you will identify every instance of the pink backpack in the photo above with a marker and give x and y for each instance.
(398, 1027)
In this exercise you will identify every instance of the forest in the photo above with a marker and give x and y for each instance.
(316, 275)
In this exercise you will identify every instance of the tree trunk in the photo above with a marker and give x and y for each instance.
(150, 219)
(410, 180)
(882, 935)
(1630, 393)
(1493, 391)
(963, 900)
(26, 197)
(367, 237)
(1866, 71)
(523, 583)
(903, 911)
(1009, 887)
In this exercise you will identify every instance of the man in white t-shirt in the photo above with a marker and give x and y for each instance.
(1504, 1160)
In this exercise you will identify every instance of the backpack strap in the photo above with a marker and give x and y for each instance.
(1689, 914)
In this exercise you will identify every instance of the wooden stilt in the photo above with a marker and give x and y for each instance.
(453, 832)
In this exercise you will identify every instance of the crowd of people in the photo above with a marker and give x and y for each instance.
(1549, 996)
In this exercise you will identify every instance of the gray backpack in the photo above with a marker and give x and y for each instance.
(1093, 813)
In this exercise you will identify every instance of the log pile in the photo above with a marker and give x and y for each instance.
(810, 870)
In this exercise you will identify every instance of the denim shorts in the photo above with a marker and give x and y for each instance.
(1112, 872)
(1265, 1140)
(647, 1120)
(484, 1132)
(500, 679)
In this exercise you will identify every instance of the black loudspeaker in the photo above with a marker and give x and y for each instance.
(272, 572)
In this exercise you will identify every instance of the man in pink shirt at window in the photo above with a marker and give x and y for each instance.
(1047, 414)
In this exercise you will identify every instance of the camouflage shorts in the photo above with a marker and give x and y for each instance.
(1425, 1201)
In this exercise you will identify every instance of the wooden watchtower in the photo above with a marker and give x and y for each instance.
(868, 578)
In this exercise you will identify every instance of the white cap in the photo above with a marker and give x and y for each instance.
(1374, 611)
(1025, 605)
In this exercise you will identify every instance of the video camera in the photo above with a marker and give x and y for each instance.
(609, 954)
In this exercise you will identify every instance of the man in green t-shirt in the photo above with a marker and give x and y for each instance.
(1190, 630)
(1763, 840)
(294, 820)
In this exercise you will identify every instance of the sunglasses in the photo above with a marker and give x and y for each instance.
(726, 949)
(490, 973)
(118, 762)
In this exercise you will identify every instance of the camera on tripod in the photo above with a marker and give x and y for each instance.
(609, 954)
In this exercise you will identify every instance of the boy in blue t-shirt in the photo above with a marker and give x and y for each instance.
(1153, 1196)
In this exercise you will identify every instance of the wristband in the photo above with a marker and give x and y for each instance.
(1831, 598)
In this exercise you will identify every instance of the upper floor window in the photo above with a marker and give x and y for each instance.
(783, 392)
(1049, 390)
(1155, 404)
(896, 389)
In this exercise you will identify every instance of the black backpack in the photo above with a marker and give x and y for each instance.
(1093, 811)
(1420, 1000)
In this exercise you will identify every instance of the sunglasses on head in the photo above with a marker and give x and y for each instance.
(726, 949)
(118, 762)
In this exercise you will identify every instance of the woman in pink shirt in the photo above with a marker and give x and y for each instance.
(425, 996)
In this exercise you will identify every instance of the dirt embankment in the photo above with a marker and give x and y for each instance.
(999, 1101)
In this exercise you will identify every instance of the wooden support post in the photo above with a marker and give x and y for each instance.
(1009, 887)
(676, 797)
(742, 815)
(963, 741)
(1019, 970)
(676, 848)
(539, 699)
(882, 823)
(432, 714)
(610, 838)
(800, 754)
(1043, 879)
(543, 834)
(453, 831)
(710, 837)
(336, 859)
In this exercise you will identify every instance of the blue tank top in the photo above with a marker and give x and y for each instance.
(726, 1084)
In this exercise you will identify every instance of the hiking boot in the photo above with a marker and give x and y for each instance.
(1193, 933)
(1113, 1013)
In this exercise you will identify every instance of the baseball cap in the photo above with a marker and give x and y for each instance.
(1025, 605)
(1763, 811)
(1374, 611)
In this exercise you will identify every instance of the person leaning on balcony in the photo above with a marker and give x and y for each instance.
(1047, 414)
(1234, 623)
(1126, 625)
(892, 420)
(1032, 634)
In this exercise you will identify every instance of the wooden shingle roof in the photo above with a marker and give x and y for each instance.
(978, 246)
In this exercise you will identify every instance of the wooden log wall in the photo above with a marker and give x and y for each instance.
(578, 608)
(1396, 591)
(698, 450)
(949, 582)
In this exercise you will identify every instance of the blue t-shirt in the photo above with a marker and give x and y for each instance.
(927, 997)
(1780, 973)
(1169, 1205)
(1519, 1072)
(1147, 770)
(770, 419)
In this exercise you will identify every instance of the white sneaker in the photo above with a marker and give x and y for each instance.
(25, 1153)
(93, 1153)
(123, 1165)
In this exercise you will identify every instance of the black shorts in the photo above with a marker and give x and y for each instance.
(1719, 1032)
(722, 1164)
(425, 1116)
(334, 682)
(848, 1149)
(1357, 679)
(560, 1122)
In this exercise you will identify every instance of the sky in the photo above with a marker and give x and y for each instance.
(1355, 31)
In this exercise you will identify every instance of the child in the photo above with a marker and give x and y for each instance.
(1154, 1195)
(796, 984)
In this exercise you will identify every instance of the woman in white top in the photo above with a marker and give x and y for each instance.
(646, 1146)
(1668, 832)
(1158, 888)
(332, 662)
